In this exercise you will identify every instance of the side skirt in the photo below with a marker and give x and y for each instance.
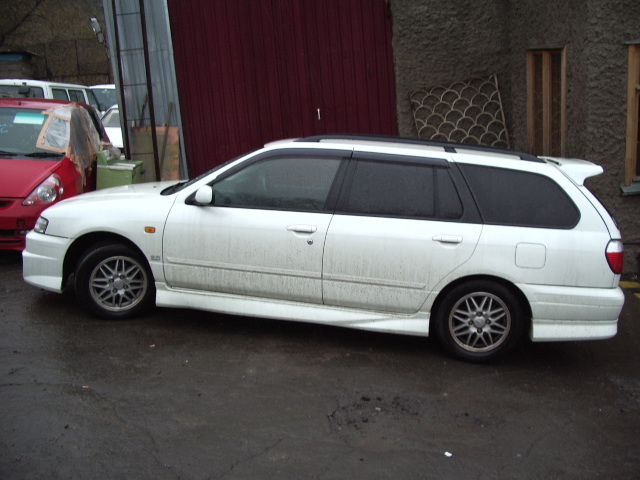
(415, 324)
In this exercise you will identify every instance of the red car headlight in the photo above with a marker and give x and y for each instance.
(47, 192)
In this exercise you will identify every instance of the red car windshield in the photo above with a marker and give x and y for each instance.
(20, 129)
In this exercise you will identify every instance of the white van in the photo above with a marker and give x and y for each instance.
(40, 89)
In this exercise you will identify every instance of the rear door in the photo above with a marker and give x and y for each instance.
(399, 228)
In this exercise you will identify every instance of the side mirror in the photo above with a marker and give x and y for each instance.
(204, 195)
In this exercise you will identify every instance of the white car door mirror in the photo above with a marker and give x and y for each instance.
(204, 195)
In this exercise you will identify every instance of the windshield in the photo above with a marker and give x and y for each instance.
(19, 132)
(181, 185)
(111, 119)
(92, 99)
(106, 97)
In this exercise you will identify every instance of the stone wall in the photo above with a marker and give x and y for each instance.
(60, 34)
(440, 42)
(83, 61)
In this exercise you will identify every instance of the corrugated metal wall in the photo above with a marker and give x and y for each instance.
(250, 72)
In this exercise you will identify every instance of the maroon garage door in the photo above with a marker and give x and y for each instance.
(253, 71)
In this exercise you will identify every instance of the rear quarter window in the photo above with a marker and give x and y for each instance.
(512, 197)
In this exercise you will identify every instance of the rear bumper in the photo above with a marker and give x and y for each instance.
(571, 313)
(43, 260)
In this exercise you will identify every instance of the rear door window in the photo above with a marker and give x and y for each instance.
(403, 190)
(59, 94)
(512, 197)
(76, 96)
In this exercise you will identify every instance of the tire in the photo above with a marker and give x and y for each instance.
(479, 321)
(113, 281)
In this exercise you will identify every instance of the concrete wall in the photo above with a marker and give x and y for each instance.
(440, 42)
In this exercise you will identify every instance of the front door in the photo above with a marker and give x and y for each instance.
(263, 235)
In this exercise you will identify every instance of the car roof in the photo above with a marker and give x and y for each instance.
(419, 144)
(39, 83)
(577, 170)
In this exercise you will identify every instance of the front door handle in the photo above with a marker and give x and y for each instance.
(447, 239)
(302, 228)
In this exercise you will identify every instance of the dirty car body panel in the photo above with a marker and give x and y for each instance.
(368, 234)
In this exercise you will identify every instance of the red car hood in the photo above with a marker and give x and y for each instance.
(18, 178)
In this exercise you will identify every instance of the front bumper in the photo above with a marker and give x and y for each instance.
(15, 221)
(43, 261)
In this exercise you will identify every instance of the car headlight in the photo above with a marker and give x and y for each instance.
(41, 225)
(47, 192)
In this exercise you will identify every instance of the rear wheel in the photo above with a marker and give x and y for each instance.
(113, 281)
(479, 321)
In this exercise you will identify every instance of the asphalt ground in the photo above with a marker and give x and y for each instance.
(182, 394)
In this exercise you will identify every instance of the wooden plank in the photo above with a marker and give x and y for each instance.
(633, 79)
(531, 104)
(546, 102)
(563, 102)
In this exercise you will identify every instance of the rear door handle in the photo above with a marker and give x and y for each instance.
(447, 239)
(302, 228)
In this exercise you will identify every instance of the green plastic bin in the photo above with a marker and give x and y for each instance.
(115, 172)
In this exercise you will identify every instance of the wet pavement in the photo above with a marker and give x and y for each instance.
(183, 394)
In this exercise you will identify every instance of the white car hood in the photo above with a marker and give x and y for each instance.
(116, 210)
(135, 191)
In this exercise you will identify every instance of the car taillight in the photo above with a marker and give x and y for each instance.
(615, 256)
(47, 192)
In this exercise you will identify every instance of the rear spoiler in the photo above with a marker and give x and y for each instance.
(576, 169)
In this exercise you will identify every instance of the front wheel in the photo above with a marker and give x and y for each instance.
(114, 282)
(479, 321)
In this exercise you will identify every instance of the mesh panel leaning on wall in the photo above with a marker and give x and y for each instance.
(464, 112)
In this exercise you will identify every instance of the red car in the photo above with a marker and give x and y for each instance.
(48, 152)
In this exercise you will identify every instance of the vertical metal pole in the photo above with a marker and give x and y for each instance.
(123, 104)
(147, 71)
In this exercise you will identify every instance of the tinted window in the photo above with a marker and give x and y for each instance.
(510, 197)
(17, 91)
(76, 96)
(288, 183)
(403, 190)
(59, 94)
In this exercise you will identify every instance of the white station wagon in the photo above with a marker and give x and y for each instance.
(479, 246)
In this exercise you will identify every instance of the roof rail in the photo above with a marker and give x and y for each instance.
(450, 147)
